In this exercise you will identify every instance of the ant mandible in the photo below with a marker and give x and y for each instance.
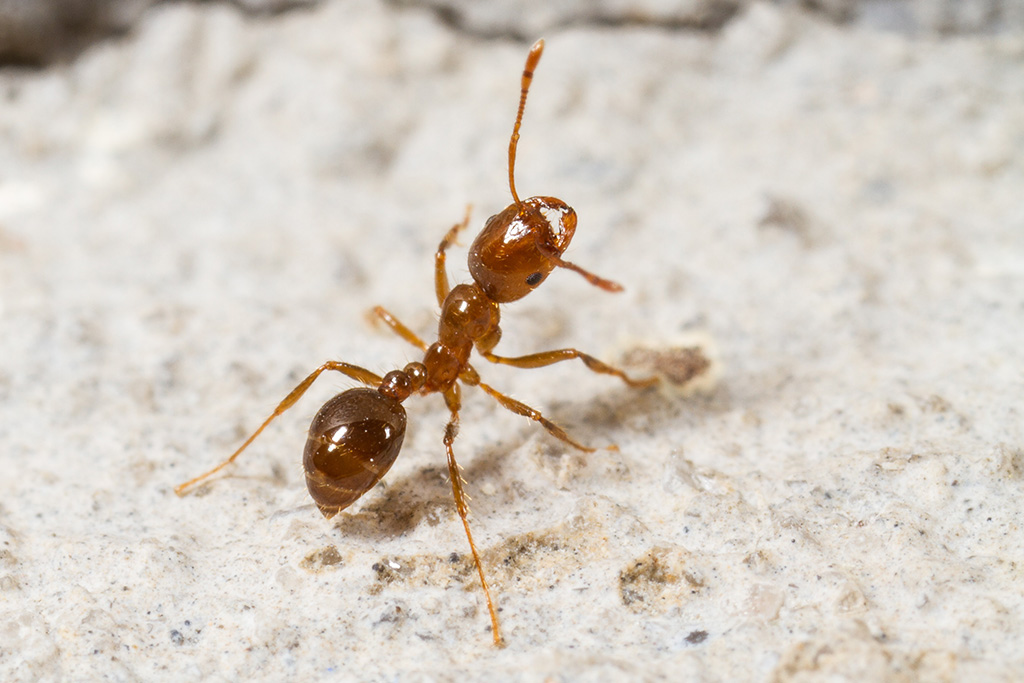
(357, 435)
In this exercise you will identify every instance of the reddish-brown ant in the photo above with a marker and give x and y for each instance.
(357, 435)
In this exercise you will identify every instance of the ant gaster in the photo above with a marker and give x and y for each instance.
(357, 435)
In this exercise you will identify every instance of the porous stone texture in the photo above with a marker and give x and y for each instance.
(195, 215)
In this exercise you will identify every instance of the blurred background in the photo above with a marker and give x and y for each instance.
(40, 31)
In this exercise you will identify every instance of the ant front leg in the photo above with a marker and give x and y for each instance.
(453, 400)
(441, 286)
(354, 371)
(545, 358)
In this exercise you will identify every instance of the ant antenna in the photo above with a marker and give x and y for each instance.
(531, 64)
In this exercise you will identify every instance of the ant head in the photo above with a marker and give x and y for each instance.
(519, 247)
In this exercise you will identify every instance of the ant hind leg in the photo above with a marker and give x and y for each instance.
(453, 401)
(354, 371)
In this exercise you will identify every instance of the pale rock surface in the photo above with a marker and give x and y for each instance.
(194, 216)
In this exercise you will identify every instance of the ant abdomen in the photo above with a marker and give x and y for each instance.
(353, 441)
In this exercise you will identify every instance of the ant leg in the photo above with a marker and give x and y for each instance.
(520, 408)
(544, 358)
(398, 327)
(453, 401)
(353, 371)
(441, 286)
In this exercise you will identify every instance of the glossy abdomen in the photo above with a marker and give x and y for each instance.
(353, 441)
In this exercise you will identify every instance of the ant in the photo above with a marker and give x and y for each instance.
(356, 436)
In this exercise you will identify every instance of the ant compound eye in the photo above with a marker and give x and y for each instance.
(534, 279)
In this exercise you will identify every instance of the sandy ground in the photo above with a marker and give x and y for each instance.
(196, 215)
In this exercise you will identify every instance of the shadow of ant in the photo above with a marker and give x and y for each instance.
(402, 503)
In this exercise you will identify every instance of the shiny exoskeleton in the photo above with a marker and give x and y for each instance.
(357, 435)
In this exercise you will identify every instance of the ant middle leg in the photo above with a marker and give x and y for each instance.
(520, 408)
(441, 286)
(453, 400)
(354, 371)
(398, 327)
(545, 358)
